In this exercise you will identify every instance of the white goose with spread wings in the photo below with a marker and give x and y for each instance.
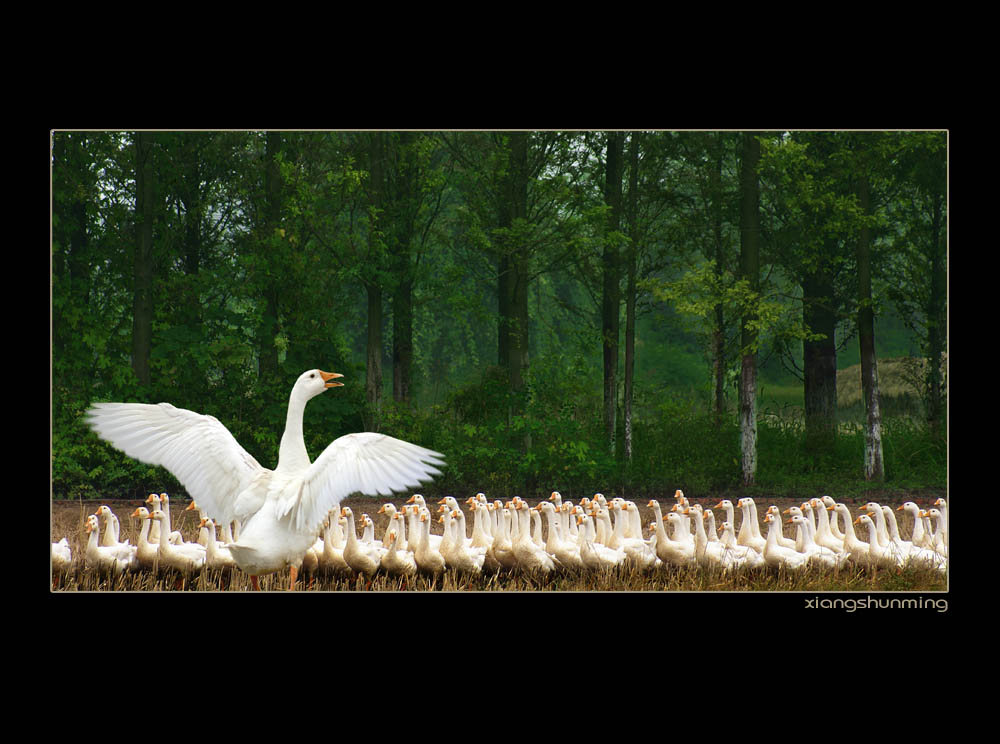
(281, 510)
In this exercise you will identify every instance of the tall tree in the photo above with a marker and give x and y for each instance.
(873, 466)
(270, 325)
(142, 294)
(611, 287)
(750, 272)
(920, 254)
(631, 214)
(373, 281)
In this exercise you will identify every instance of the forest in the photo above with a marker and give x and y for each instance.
(616, 311)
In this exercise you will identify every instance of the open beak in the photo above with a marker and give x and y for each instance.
(327, 376)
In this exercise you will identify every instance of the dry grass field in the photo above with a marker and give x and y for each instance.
(68, 521)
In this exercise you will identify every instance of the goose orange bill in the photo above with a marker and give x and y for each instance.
(327, 376)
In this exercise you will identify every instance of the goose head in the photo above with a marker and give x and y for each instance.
(142, 513)
(313, 382)
(158, 515)
(92, 524)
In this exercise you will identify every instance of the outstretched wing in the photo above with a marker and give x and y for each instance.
(201, 453)
(367, 463)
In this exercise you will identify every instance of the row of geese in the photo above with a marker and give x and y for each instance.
(595, 534)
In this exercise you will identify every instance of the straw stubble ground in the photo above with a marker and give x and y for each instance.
(68, 519)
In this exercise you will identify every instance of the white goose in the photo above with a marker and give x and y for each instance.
(501, 551)
(737, 556)
(390, 510)
(146, 552)
(942, 506)
(217, 556)
(878, 555)
(594, 555)
(818, 555)
(427, 556)
(940, 540)
(397, 562)
(332, 559)
(155, 503)
(749, 533)
(824, 536)
(530, 557)
(785, 542)
(62, 557)
(778, 556)
(185, 557)
(669, 550)
(914, 554)
(917, 534)
(280, 510)
(855, 548)
(564, 550)
(482, 537)
(463, 557)
(833, 521)
(362, 557)
(112, 528)
(114, 558)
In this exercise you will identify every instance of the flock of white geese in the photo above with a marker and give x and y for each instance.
(593, 535)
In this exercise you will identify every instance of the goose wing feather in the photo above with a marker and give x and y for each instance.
(366, 462)
(200, 452)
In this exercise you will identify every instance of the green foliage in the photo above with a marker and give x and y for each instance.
(239, 279)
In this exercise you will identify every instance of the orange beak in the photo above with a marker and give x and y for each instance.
(327, 376)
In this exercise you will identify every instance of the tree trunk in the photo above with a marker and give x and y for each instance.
(402, 294)
(373, 366)
(874, 470)
(718, 329)
(937, 319)
(611, 295)
(402, 340)
(750, 269)
(373, 286)
(142, 297)
(517, 359)
(267, 350)
(820, 360)
(630, 290)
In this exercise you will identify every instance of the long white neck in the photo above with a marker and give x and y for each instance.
(772, 534)
(92, 542)
(292, 454)
(850, 537)
(890, 523)
(154, 528)
(700, 539)
(917, 533)
(754, 519)
(352, 535)
(144, 533)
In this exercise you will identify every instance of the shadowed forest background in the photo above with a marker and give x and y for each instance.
(581, 311)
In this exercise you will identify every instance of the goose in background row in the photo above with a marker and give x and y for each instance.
(112, 558)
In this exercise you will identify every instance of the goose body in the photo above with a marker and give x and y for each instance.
(114, 558)
(397, 562)
(427, 557)
(146, 552)
(185, 557)
(281, 511)
(362, 556)
(62, 556)
(217, 556)
(778, 556)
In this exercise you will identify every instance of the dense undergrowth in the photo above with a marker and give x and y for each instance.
(551, 438)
